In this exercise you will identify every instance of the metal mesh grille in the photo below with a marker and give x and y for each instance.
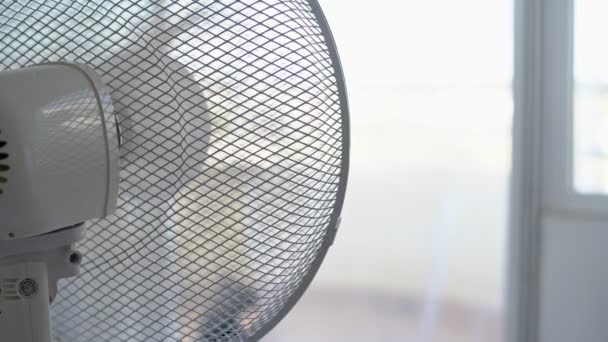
(233, 127)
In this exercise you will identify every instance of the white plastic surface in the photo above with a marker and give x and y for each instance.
(62, 148)
(24, 318)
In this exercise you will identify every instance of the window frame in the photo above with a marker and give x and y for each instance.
(542, 181)
(559, 194)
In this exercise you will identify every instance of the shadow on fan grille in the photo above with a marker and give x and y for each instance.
(232, 151)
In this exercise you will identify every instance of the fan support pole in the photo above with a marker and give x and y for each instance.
(24, 302)
(29, 271)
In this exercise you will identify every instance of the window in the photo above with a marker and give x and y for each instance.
(590, 97)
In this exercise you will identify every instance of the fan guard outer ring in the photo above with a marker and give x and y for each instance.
(337, 216)
(339, 83)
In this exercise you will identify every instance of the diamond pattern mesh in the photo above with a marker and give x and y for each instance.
(234, 133)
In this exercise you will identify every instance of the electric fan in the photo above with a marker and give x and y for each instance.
(169, 170)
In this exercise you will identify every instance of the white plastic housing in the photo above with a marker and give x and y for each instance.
(58, 149)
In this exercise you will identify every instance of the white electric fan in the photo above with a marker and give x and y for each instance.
(169, 170)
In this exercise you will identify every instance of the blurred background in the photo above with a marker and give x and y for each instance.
(420, 255)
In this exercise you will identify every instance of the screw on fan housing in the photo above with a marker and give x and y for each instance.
(28, 287)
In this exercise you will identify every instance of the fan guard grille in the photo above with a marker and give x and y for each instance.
(234, 152)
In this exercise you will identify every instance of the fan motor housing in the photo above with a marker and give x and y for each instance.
(60, 149)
